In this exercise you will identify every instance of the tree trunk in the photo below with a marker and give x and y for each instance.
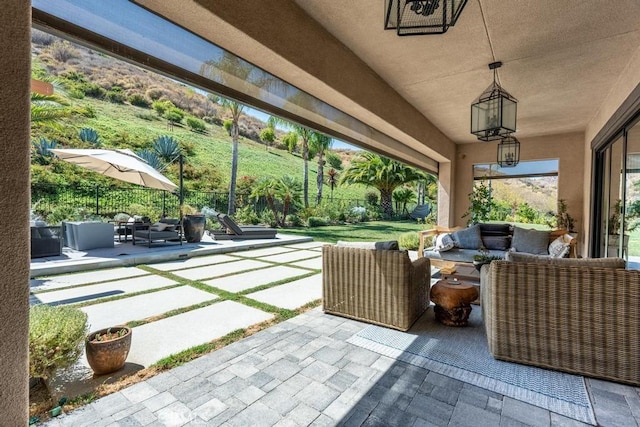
(386, 197)
(234, 169)
(305, 172)
(320, 177)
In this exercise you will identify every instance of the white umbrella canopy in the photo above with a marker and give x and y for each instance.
(120, 164)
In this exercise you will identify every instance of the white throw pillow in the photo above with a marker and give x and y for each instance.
(559, 248)
(444, 242)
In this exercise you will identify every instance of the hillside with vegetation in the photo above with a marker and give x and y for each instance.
(130, 107)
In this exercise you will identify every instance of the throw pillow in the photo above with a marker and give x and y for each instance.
(530, 241)
(158, 226)
(558, 248)
(444, 243)
(391, 245)
(494, 229)
(498, 243)
(468, 238)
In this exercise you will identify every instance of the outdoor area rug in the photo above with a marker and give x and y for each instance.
(462, 353)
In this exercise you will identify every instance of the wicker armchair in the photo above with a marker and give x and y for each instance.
(580, 318)
(376, 286)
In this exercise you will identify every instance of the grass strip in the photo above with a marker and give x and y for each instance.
(44, 291)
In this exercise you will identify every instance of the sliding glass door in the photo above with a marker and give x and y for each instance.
(618, 171)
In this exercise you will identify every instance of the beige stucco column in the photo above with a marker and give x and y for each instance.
(15, 77)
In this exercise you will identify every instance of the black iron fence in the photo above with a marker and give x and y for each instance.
(58, 202)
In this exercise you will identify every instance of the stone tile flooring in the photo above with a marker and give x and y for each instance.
(298, 372)
(303, 372)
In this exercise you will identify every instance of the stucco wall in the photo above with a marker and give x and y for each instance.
(569, 148)
(15, 75)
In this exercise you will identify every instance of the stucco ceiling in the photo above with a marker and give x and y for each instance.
(560, 58)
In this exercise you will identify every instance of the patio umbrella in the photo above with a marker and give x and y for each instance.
(120, 164)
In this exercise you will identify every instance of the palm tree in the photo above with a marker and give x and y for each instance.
(403, 196)
(381, 173)
(306, 135)
(318, 145)
(283, 192)
(230, 67)
(48, 109)
(235, 109)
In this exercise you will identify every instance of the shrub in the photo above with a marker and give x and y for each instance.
(228, 124)
(334, 160)
(114, 96)
(63, 51)
(174, 114)
(161, 107)
(93, 90)
(213, 120)
(75, 92)
(56, 338)
(40, 37)
(147, 116)
(247, 215)
(371, 198)
(409, 241)
(267, 217)
(268, 136)
(196, 125)
(167, 147)
(139, 100)
(294, 220)
(315, 221)
(41, 150)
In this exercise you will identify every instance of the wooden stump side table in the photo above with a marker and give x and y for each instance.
(453, 301)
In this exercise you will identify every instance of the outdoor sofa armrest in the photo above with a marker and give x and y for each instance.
(424, 234)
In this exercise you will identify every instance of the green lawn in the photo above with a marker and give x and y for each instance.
(364, 231)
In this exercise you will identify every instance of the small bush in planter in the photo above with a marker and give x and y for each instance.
(56, 338)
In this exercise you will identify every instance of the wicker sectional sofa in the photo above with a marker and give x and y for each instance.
(383, 287)
(576, 315)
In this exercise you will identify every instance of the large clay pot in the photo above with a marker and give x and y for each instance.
(105, 357)
(193, 227)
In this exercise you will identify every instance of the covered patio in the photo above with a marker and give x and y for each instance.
(574, 67)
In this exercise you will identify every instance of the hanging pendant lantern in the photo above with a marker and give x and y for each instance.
(508, 152)
(493, 113)
(420, 17)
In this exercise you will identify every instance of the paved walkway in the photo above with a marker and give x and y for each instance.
(298, 372)
(303, 372)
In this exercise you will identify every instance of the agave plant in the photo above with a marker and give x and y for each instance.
(91, 136)
(151, 158)
(166, 147)
(41, 150)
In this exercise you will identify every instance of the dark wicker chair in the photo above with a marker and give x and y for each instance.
(151, 235)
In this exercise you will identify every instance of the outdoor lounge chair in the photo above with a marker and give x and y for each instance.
(153, 233)
(231, 230)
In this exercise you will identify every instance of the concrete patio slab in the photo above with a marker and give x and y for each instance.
(102, 290)
(307, 245)
(292, 295)
(314, 263)
(217, 270)
(193, 262)
(291, 256)
(143, 306)
(46, 283)
(251, 279)
(154, 341)
(264, 252)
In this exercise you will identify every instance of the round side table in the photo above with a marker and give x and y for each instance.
(453, 302)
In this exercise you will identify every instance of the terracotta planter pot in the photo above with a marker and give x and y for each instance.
(105, 357)
(193, 227)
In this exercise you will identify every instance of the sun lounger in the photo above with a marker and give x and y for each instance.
(231, 230)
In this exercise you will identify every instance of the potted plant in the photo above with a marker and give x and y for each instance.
(107, 349)
(484, 258)
(193, 223)
(564, 221)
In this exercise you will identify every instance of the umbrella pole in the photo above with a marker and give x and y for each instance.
(181, 194)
